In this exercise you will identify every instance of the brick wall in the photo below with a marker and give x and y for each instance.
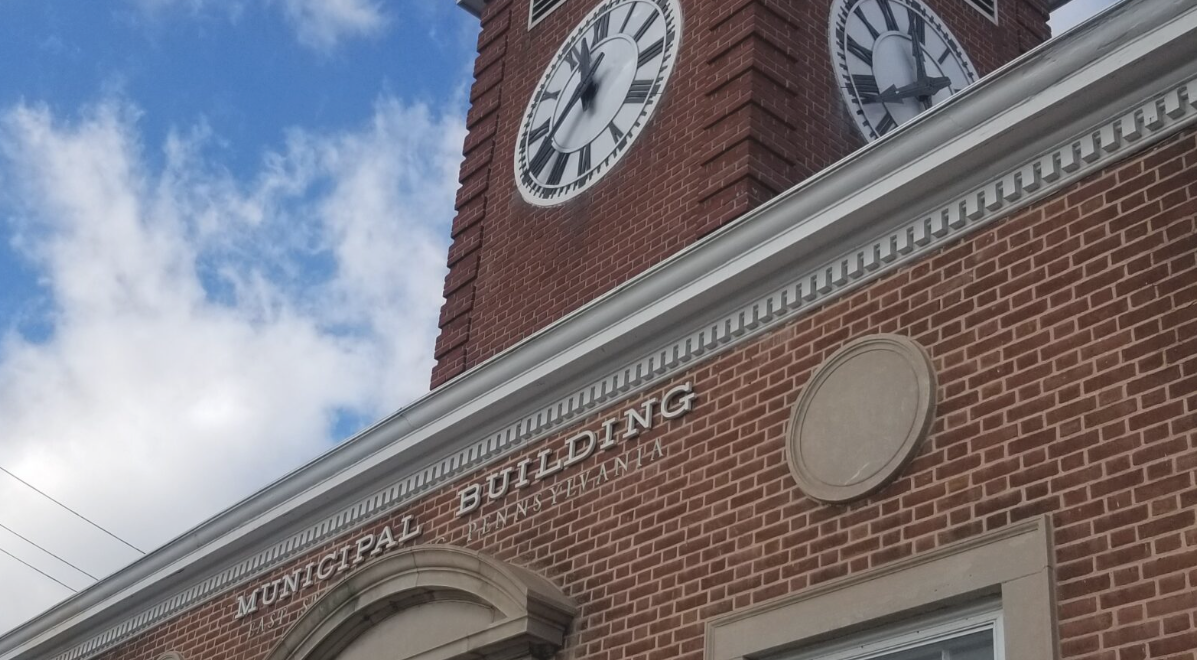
(751, 109)
(1065, 339)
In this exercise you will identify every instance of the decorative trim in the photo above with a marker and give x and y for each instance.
(474, 7)
(1015, 563)
(941, 149)
(535, 612)
(861, 418)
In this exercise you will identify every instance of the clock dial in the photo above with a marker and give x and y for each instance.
(894, 59)
(595, 98)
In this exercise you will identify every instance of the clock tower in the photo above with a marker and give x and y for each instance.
(606, 135)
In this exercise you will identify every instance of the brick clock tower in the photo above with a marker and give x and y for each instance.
(606, 135)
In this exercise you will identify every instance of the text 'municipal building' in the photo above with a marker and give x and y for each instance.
(773, 330)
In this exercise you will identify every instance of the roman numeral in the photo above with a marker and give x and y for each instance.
(918, 30)
(648, 23)
(542, 156)
(616, 134)
(891, 21)
(886, 125)
(539, 131)
(602, 27)
(550, 95)
(860, 51)
(866, 87)
(558, 169)
(869, 26)
(944, 56)
(639, 91)
(651, 52)
(575, 54)
(584, 160)
(627, 19)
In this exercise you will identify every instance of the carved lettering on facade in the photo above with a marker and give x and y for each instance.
(612, 432)
(325, 567)
(566, 489)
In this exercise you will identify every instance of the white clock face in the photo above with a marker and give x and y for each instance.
(595, 98)
(894, 59)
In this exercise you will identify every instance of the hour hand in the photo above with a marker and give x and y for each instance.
(584, 70)
(919, 88)
(895, 94)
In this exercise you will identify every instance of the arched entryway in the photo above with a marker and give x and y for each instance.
(433, 603)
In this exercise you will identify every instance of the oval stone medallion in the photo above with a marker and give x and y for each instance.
(861, 418)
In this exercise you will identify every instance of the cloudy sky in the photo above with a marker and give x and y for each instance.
(223, 227)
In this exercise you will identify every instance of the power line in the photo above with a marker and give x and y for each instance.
(14, 533)
(75, 591)
(79, 515)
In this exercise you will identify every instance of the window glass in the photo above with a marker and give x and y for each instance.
(972, 633)
(976, 646)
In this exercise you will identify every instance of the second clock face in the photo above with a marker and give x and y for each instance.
(894, 59)
(595, 98)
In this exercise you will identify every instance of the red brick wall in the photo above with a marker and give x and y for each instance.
(1065, 339)
(752, 109)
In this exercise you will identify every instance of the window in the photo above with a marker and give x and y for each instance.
(987, 7)
(911, 609)
(541, 8)
(972, 634)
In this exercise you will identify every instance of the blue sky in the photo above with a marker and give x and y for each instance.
(223, 227)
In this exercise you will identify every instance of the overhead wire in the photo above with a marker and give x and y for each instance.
(18, 535)
(45, 574)
(77, 514)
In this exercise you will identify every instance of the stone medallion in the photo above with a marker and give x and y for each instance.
(861, 418)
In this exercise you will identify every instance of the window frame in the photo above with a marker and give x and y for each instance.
(979, 617)
(993, 17)
(1014, 565)
(533, 20)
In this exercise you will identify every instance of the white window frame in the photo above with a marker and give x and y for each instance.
(996, 11)
(533, 22)
(980, 617)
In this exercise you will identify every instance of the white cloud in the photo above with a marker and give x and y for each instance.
(206, 333)
(318, 24)
(322, 24)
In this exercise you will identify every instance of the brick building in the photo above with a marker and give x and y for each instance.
(766, 375)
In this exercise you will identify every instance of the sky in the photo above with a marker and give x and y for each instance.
(223, 231)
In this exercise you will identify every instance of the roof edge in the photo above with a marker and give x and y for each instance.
(1135, 51)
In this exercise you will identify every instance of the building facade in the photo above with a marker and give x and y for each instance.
(743, 380)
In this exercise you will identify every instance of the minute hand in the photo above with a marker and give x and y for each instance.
(920, 67)
(582, 85)
(929, 87)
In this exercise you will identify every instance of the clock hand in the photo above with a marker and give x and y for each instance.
(924, 88)
(582, 84)
(938, 83)
(894, 94)
(584, 67)
(920, 67)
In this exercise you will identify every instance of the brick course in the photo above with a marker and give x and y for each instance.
(1065, 340)
(751, 110)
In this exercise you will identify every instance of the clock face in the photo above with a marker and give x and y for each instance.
(598, 93)
(894, 59)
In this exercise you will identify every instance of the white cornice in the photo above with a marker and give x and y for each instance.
(1072, 106)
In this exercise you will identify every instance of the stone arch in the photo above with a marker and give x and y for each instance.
(468, 605)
